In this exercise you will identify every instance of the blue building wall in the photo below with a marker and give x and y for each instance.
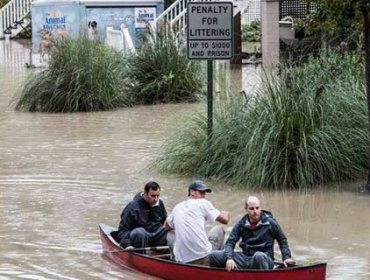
(75, 19)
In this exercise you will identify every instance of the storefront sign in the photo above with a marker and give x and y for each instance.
(143, 16)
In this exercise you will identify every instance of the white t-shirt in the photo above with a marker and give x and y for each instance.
(188, 218)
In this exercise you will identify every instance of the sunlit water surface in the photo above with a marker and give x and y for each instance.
(63, 174)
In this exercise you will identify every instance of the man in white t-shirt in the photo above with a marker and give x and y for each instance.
(188, 219)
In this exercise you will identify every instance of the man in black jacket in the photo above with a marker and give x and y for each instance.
(142, 220)
(257, 230)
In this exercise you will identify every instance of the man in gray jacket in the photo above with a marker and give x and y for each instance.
(257, 230)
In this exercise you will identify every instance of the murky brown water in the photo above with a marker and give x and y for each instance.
(63, 174)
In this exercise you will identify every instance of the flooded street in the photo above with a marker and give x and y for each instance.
(63, 174)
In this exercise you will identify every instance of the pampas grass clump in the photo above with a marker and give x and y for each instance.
(306, 126)
(82, 76)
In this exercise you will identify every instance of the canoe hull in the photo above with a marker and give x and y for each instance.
(174, 271)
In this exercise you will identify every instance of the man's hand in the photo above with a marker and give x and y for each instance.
(167, 226)
(230, 265)
(288, 262)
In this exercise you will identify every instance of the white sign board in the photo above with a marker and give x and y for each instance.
(210, 30)
(143, 16)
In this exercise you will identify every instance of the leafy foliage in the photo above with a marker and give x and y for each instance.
(252, 32)
(3, 3)
(168, 3)
(341, 19)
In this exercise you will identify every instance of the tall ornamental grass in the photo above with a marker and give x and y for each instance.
(86, 76)
(82, 76)
(160, 72)
(306, 126)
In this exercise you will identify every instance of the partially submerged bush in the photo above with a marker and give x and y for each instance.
(306, 127)
(161, 73)
(86, 76)
(82, 76)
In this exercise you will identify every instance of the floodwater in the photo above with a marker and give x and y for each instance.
(63, 174)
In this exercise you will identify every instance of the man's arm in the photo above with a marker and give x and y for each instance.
(283, 245)
(127, 223)
(164, 212)
(230, 245)
(232, 240)
(223, 218)
(169, 222)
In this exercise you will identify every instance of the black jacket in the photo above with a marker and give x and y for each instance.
(138, 213)
(260, 239)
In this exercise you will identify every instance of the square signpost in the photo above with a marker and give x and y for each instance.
(209, 37)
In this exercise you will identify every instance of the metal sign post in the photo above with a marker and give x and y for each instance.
(209, 36)
(209, 99)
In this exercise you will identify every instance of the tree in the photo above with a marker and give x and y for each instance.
(343, 18)
(338, 21)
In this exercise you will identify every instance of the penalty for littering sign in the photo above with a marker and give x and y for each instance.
(210, 30)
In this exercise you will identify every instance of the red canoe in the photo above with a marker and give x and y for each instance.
(170, 270)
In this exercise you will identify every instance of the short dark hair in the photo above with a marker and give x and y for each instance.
(151, 185)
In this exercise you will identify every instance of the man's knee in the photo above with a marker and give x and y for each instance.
(217, 258)
(216, 236)
(262, 261)
(138, 237)
(171, 236)
(137, 233)
(260, 256)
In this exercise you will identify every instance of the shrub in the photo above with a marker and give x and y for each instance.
(252, 32)
(308, 126)
(161, 73)
(82, 76)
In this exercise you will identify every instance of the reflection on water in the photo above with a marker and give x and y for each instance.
(14, 54)
(63, 174)
(236, 78)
